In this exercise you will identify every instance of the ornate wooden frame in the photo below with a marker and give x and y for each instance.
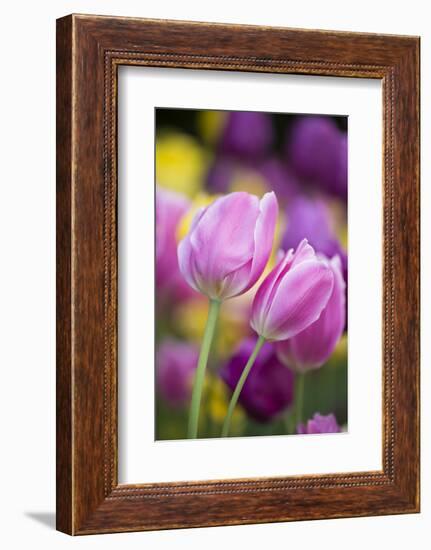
(89, 51)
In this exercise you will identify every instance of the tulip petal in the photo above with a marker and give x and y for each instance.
(186, 262)
(312, 347)
(222, 240)
(299, 300)
(261, 302)
(263, 236)
(185, 254)
(303, 253)
(244, 278)
(235, 283)
(284, 352)
(267, 289)
(320, 424)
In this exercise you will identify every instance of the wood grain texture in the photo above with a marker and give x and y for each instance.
(64, 495)
(90, 49)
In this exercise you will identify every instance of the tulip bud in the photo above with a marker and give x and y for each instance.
(312, 347)
(293, 295)
(229, 244)
(319, 424)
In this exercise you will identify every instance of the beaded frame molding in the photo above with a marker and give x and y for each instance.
(89, 51)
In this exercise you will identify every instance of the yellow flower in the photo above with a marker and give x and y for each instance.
(218, 402)
(210, 125)
(338, 216)
(250, 181)
(340, 352)
(342, 235)
(190, 318)
(338, 358)
(181, 163)
(279, 231)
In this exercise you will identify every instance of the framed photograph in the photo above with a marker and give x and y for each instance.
(237, 274)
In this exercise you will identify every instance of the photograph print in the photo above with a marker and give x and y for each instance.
(251, 274)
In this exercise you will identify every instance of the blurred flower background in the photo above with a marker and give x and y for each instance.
(201, 155)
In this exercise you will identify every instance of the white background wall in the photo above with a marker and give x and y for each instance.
(27, 279)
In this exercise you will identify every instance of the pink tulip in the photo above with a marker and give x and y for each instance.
(293, 295)
(170, 207)
(319, 424)
(312, 347)
(229, 244)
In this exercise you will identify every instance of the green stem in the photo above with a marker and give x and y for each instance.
(239, 386)
(198, 383)
(289, 422)
(299, 398)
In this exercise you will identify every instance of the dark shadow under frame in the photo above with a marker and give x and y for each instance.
(89, 51)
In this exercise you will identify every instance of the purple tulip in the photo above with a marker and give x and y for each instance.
(279, 179)
(221, 174)
(319, 424)
(229, 244)
(317, 152)
(293, 295)
(246, 134)
(312, 347)
(170, 207)
(175, 367)
(338, 185)
(268, 389)
(310, 219)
